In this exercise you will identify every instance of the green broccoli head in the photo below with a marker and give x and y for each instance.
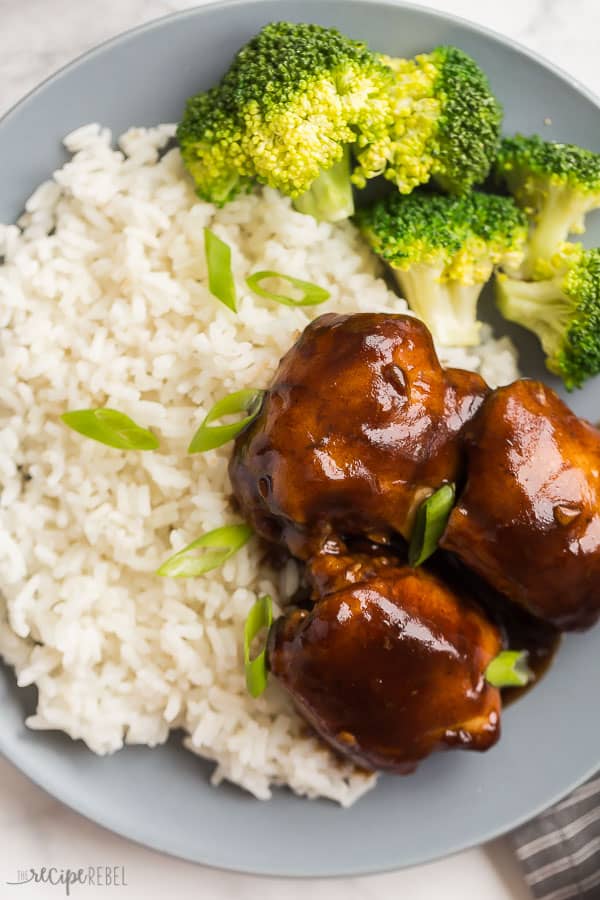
(292, 100)
(446, 124)
(442, 250)
(210, 150)
(563, 311)
(556, 184)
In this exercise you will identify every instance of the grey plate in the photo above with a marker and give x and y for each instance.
(162, 797)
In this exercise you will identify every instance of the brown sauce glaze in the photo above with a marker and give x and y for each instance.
(389, 668)
(520, 630)
(360, 424)
(541, 641)
(528, 520)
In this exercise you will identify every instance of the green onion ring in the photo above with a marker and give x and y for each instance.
(219, 544)
(430, 523)
(313, 294)
(110, 427)
(259, 617)
(220, 274)
(509, 669)
(209, 436)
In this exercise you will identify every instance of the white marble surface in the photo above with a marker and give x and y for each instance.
(36, 37)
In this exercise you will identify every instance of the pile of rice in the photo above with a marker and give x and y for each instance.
(104, 302)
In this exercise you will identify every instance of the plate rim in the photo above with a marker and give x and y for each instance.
(61, 792)
(427, 11)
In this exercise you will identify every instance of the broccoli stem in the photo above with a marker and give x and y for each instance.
(560, 214)
(329, 198)
(540, 306)
(448, 308)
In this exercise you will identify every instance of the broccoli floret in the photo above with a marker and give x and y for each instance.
(442, 250)
(556, 184)
(284, 114)
(446, 124)
(563, 311)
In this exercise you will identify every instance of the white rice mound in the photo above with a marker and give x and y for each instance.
(104, 302)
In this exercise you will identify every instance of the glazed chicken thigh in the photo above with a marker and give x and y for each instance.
(389, 663)
(390, 668)
(360, 424)
(528, 521)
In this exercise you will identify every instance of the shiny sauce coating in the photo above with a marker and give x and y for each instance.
(360, 424)
(390, 669)
(520, 630)
(528, 521)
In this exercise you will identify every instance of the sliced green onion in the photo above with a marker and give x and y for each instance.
(215, 547)
(259, 617)
(430, 524)
(111, 427)
(509, 669)
(313, 294)
(210, 436)
(220, 274)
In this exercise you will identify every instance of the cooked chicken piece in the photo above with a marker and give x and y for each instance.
(528, 521)
(360, 425)
(390, 669)
(328, 573)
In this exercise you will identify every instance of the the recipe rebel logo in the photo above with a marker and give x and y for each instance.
(67, 879)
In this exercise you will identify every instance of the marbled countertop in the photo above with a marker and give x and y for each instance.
(36, 37)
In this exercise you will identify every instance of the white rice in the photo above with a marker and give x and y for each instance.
(104, 301)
